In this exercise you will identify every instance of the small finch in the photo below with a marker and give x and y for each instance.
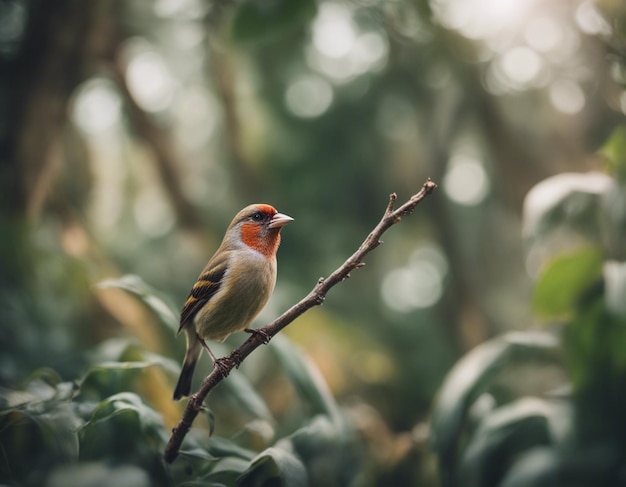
(233, 287)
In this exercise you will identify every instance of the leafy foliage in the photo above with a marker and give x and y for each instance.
(100, 425)
(575, 436)
(131, 132)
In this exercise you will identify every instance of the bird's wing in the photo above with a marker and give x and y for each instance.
(205, 287)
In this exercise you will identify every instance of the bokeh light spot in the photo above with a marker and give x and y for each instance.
(543, 34)
(309, 96)
(419, 285)
(430, 252)
(567, 96)
(480, 19)
(334, 32)
(590, 21)
(520, 65)
(152, 213)
(149, 81)
(97, 106)
(466, 181)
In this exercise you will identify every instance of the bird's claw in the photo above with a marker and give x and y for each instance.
(236, 358)
(262, 334)
(224, 365)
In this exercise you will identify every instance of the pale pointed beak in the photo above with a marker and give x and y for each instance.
(279, 220)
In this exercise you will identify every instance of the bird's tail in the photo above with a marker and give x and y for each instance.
(194, 348)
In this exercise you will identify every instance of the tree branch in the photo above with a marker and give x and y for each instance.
(315, 297)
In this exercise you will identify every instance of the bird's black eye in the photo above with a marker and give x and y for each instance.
(257, 217)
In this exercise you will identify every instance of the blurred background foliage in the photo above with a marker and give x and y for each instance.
(490, 322)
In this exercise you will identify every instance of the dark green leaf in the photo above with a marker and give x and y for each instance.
(306, 378)
(615, 152)
(120, 426)
(503, 434)
(470, 377)
(238, 385)
(38, 427)
(592, 465)
(564, 280)
(319, 435)
(276, 467)
(135, 285)
(227, 470)
(222, 447)
(573, 199)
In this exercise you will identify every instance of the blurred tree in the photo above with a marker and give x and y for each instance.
(130, 132)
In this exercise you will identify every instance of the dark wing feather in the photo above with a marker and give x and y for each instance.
(205, 287)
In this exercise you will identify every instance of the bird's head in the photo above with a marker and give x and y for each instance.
(258, 226)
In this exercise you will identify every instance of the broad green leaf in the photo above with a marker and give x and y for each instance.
(319, 435)
(277, 467)
(564, 280)
(590, 465)
(137, 286)
(223, 447)
(568, 198)
(122, 402)
(595, 346)
(306, 378)
(238, 385)
(614, 150)
(502, 435)
(262, 21)
(108, 378)
(38, 427)
(471, 376)
(536, 468)
(125, 350)
(121, 426)
(227, 471)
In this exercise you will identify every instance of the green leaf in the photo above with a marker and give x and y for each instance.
(306, 378)
(593, 464)
(563, 282)
(121, 426)
(108, 378)
(318, 436)
(536, 468)
(38, 427)
(277, 467)
(222, 447)
(505, 433)
(471, 376)
(262, 21)
(137, 286)
(227, 471)
(614, 150)
(239, 386)
(574, 199)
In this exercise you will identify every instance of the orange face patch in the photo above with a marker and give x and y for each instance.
(254, 236)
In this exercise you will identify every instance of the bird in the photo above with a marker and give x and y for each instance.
(234, 286)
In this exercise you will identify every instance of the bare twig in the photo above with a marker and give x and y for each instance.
(315, 297)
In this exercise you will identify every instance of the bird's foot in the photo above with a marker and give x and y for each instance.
(236, 357)
(265, 338)
(224, 365)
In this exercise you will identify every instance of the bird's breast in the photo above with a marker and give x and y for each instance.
(246, 287)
